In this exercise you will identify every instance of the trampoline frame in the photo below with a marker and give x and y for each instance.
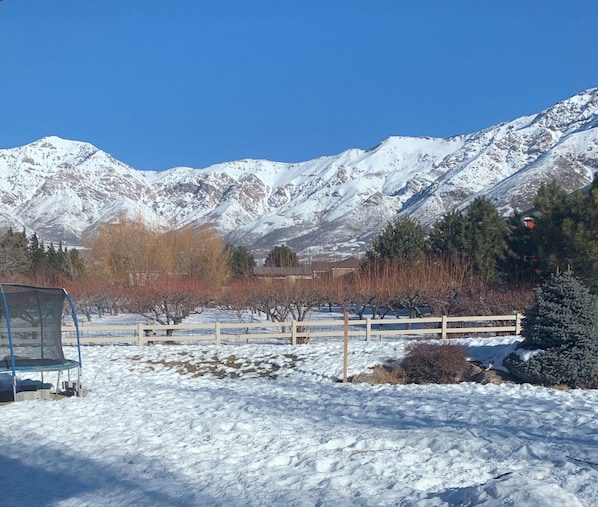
(67, 364)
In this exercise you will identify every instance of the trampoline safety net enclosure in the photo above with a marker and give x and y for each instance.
(31, 331)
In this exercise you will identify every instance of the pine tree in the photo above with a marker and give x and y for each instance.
(486, 233)
(566, 232)
(37, 254)
(240, 260)
(448, 234)
(582, 232)
(562, 329)
(14, 254)
(520, 265)
(76, 265)
(550, 206)
(479, 236)
(404, 240)
(282, 257)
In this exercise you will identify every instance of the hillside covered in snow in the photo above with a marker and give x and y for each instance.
(64, 189)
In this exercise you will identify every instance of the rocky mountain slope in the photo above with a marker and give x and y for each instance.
(335, 205)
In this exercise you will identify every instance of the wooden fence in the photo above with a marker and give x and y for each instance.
(296, 332)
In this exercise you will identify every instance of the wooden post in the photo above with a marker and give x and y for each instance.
(140, 340)
(368, 329)
(518, 318)
(217, 332)
(293, 332)
(346, 346)
(444, 326)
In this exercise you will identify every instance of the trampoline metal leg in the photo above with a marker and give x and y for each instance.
(57, 385)
(78, 382)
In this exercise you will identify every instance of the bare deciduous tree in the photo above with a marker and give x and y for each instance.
(170, 300)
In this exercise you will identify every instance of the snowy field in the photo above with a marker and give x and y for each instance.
(270, 425)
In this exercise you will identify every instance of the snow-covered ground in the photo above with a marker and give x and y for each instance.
(247, 425)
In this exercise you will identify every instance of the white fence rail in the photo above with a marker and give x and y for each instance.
(295, 331)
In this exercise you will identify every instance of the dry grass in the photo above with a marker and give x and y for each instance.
(394, 375)
(381, 375)
(226, 367)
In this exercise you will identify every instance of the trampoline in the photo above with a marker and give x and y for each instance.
(31, 334)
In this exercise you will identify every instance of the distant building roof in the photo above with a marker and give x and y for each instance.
(314, 269)
(323, 266)
(349, 262)
(301, 271)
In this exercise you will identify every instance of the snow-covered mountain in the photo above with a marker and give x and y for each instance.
(336, 204)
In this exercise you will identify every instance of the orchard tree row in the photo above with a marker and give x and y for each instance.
(443, 286)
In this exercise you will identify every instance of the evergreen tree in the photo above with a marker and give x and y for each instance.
(403, 240)
(479, 236)
(486, 233)
(14, 254)
(520, 265)
(448, 235)
(566, 232)
(562, 328)
(26, 259)
(76, 265)
(37, 254)
(240, 260)
(550, 206)
(580, 229)
(282, 257)
(52, 259)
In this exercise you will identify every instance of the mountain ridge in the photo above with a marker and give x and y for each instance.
(333, 204)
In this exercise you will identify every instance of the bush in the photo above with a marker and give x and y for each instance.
(562, 328)
(426, 363)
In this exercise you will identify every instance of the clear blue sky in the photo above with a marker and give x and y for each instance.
(159, 84)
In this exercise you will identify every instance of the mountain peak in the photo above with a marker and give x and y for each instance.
(55, 142)
(333, 204)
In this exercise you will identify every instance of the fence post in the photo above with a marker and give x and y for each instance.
(140, 340)
(444, 326)
(217, 332)
(368, 329)
(345, 345)
(293, 332)
(518, 317)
